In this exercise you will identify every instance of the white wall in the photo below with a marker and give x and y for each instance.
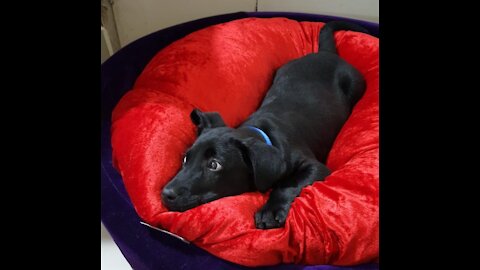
(111, 257)
(105, 53)
(366, 10)
(137, 18)
(110, 42)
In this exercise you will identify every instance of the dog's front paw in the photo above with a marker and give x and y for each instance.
(271, 216)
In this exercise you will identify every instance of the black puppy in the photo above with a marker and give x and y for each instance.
(282, 145)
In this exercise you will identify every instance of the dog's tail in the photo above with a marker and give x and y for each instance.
(326, 40)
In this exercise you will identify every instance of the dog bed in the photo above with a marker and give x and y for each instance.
(228, 68)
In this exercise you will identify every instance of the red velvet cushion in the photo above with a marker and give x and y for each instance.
(228, 68)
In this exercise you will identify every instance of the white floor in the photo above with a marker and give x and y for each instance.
(112, 258)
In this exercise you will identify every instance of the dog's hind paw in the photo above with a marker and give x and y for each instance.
(271, 217)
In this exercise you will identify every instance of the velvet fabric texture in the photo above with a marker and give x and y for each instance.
(228, 68)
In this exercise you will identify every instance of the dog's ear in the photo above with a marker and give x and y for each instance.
(206, 120)
(265, 161)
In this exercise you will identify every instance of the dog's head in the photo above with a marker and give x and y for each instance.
(221, 163)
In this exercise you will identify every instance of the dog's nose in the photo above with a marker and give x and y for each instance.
(170, 194)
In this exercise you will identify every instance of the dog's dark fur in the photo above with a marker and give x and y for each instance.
(305, 108)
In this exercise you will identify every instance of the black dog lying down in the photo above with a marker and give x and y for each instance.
(282, 145)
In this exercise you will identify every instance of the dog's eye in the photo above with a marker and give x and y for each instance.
(184, 159)
(214, 165)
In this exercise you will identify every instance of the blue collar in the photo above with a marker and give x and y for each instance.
(264, 135)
